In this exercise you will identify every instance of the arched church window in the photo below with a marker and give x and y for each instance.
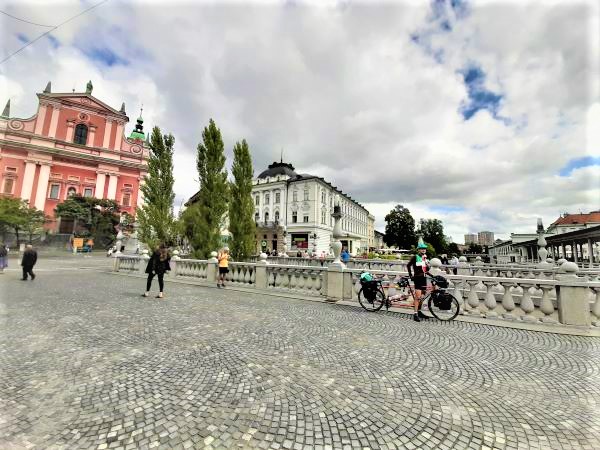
(71, 191)
(81, 132)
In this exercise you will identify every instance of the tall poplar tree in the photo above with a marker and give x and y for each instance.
(241, 208)
(155, 217)
(204, 219)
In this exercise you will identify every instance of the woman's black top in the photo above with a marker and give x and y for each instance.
(156, 265)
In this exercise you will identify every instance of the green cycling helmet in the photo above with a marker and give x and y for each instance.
(421, 245)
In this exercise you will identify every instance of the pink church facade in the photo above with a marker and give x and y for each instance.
(74, 144)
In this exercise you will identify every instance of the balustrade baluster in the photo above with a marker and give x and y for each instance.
(283, 279)
(508, 302)
(595, 319)
(527, 304)
(473, 298)
(546, 305)
(490, 299)
(300, 279)
(319, 282)
(310, 281)
(458, 293)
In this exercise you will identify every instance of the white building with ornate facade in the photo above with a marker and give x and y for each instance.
(293, 213)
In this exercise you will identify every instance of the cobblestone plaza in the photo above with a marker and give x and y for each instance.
(86, 362)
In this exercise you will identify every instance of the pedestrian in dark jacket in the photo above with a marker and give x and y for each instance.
(158, 264)
(28, 261)
(3, 257)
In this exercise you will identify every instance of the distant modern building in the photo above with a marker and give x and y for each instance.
(73, 144)
(485, 238)
(471, 239)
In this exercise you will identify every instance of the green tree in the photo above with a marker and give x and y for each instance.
(75, 207)
(241, 209)
(34, 221)
(400, 228)
(475, 248)
(453, 249)
(431, 253)
(204, 219)
(432, 231)
(16, 214)
(155, 217)
(91, 217)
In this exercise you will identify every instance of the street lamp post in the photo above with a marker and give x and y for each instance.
(336, 245)
(285, 255)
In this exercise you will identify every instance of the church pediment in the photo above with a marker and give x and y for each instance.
(86, 101)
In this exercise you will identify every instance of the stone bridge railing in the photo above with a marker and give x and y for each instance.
(475, 268)
(562, 297)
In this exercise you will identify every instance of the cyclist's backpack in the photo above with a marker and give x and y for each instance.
(440, 281)
(365, 277)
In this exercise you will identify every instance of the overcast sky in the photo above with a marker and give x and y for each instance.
(482, 115)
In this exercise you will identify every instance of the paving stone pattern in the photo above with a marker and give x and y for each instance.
(87, 363)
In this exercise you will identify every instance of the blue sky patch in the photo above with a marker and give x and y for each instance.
(460, 8)
(55, 43)
(22, 38)
(441, 20)
(105, 56)
(479, 96)
(578, 163)
(447, 209)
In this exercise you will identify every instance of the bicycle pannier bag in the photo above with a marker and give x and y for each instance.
(443, 301)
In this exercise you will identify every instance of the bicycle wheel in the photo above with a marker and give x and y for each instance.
(371, 305)
(443, 306)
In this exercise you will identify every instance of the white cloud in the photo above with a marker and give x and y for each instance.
(348, 95)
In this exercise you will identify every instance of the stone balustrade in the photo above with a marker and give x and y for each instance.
(192, 268)
(537, 296)
(129, 264)
(305, 280)
(241, 274)
(476, 268)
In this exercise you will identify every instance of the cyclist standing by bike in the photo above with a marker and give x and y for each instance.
(417, 267)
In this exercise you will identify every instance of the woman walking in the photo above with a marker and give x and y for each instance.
(3, 257)
(223, 258)
(158, 264)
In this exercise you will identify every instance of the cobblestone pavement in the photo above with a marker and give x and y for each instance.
(87, 363)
